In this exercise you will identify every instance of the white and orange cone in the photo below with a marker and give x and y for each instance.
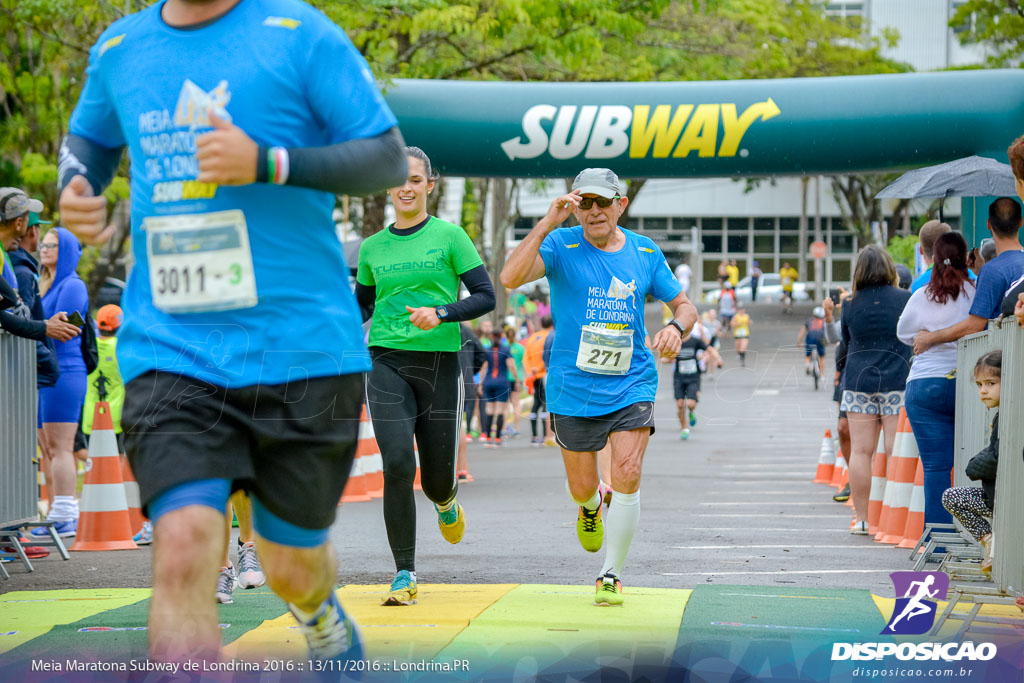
(826, 461)
(104, 522)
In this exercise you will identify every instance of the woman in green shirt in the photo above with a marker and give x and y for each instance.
(408, 283)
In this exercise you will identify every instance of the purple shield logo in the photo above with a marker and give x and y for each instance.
(916, 593)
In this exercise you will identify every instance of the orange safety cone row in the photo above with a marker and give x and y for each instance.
(915, 514)
(841, 473)
(355, 488)
(416, 485)
(901, 481)
(369, 454)
(826, 461)
(103, 523)
(875, 499)
(131, 492)
(44, 496)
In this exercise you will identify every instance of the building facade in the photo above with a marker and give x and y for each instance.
(705, 221)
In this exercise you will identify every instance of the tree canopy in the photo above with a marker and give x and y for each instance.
(47, 41)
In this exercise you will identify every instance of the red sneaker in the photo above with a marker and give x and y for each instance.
(32, 552)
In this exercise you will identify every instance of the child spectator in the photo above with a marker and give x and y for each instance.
(971, 505)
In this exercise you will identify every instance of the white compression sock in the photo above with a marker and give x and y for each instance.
(619, 527)
(592, 504)
(64, 509)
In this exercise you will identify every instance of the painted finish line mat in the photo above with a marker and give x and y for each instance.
(551, 624)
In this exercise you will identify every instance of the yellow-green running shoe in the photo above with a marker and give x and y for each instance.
(403, 590)
(452, 523)
(609, 592)
(590, 529)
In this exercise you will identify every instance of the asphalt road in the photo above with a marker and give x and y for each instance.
(734, 504)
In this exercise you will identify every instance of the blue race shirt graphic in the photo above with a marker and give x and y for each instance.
(590, 287)
(916, 593)
(287, 76)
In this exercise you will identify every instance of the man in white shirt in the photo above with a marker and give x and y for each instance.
(683, 273)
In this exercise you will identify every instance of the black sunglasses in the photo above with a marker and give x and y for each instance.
(602, 202)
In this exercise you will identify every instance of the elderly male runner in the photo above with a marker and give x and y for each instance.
(602, 377)
(242, 347)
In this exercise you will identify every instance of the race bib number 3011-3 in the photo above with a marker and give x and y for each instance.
(200, 262)
(605, 352)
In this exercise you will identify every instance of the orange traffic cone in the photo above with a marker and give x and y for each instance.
(44, 498)
(416, 485)
(355, 487)
(901, 481)
(103, 523)
(131, 492)
(826, 461)
(915, 514)
(841, 473)
(369, 453)
(877, 486)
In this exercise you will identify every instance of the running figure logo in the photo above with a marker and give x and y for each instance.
(914, 612)
(621, 290)
(194, 104)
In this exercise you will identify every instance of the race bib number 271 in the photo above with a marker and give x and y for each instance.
(605, 352)
(200, 262)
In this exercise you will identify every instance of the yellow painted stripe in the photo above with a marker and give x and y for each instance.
(34, 613)
(886, 605)
(556, 624)
(414, 632)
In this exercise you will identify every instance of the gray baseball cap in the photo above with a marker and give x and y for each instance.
(14, 203)
(600, 181)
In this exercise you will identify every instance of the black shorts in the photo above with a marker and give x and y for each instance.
(686, 386)
(291, 445)
(586, 434)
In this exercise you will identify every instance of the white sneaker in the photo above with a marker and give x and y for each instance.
(226, 585)
(250, 573)
(860, 529)
(145, 535)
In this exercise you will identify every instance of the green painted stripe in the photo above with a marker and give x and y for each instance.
(30, 614)
(65, 637)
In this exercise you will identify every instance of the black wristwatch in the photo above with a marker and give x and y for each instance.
(675, 323)
(442, 313)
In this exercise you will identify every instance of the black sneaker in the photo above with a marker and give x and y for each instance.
(843, 495)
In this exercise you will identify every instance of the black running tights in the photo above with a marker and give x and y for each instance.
(414, 394)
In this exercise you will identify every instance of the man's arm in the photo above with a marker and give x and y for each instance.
(228, 156)
(525, 264)
(669, 339)
(23, 327)
(925, 340)
(84, 171)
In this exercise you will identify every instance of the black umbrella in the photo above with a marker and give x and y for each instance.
(968, 177)
(972, 176)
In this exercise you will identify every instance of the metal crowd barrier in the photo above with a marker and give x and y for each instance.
(973, 419)
(972, 425)
(18, 401)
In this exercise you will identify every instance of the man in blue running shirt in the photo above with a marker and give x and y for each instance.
(602, 376)
(242, 347)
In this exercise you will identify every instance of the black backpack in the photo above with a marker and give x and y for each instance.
(90, 350)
